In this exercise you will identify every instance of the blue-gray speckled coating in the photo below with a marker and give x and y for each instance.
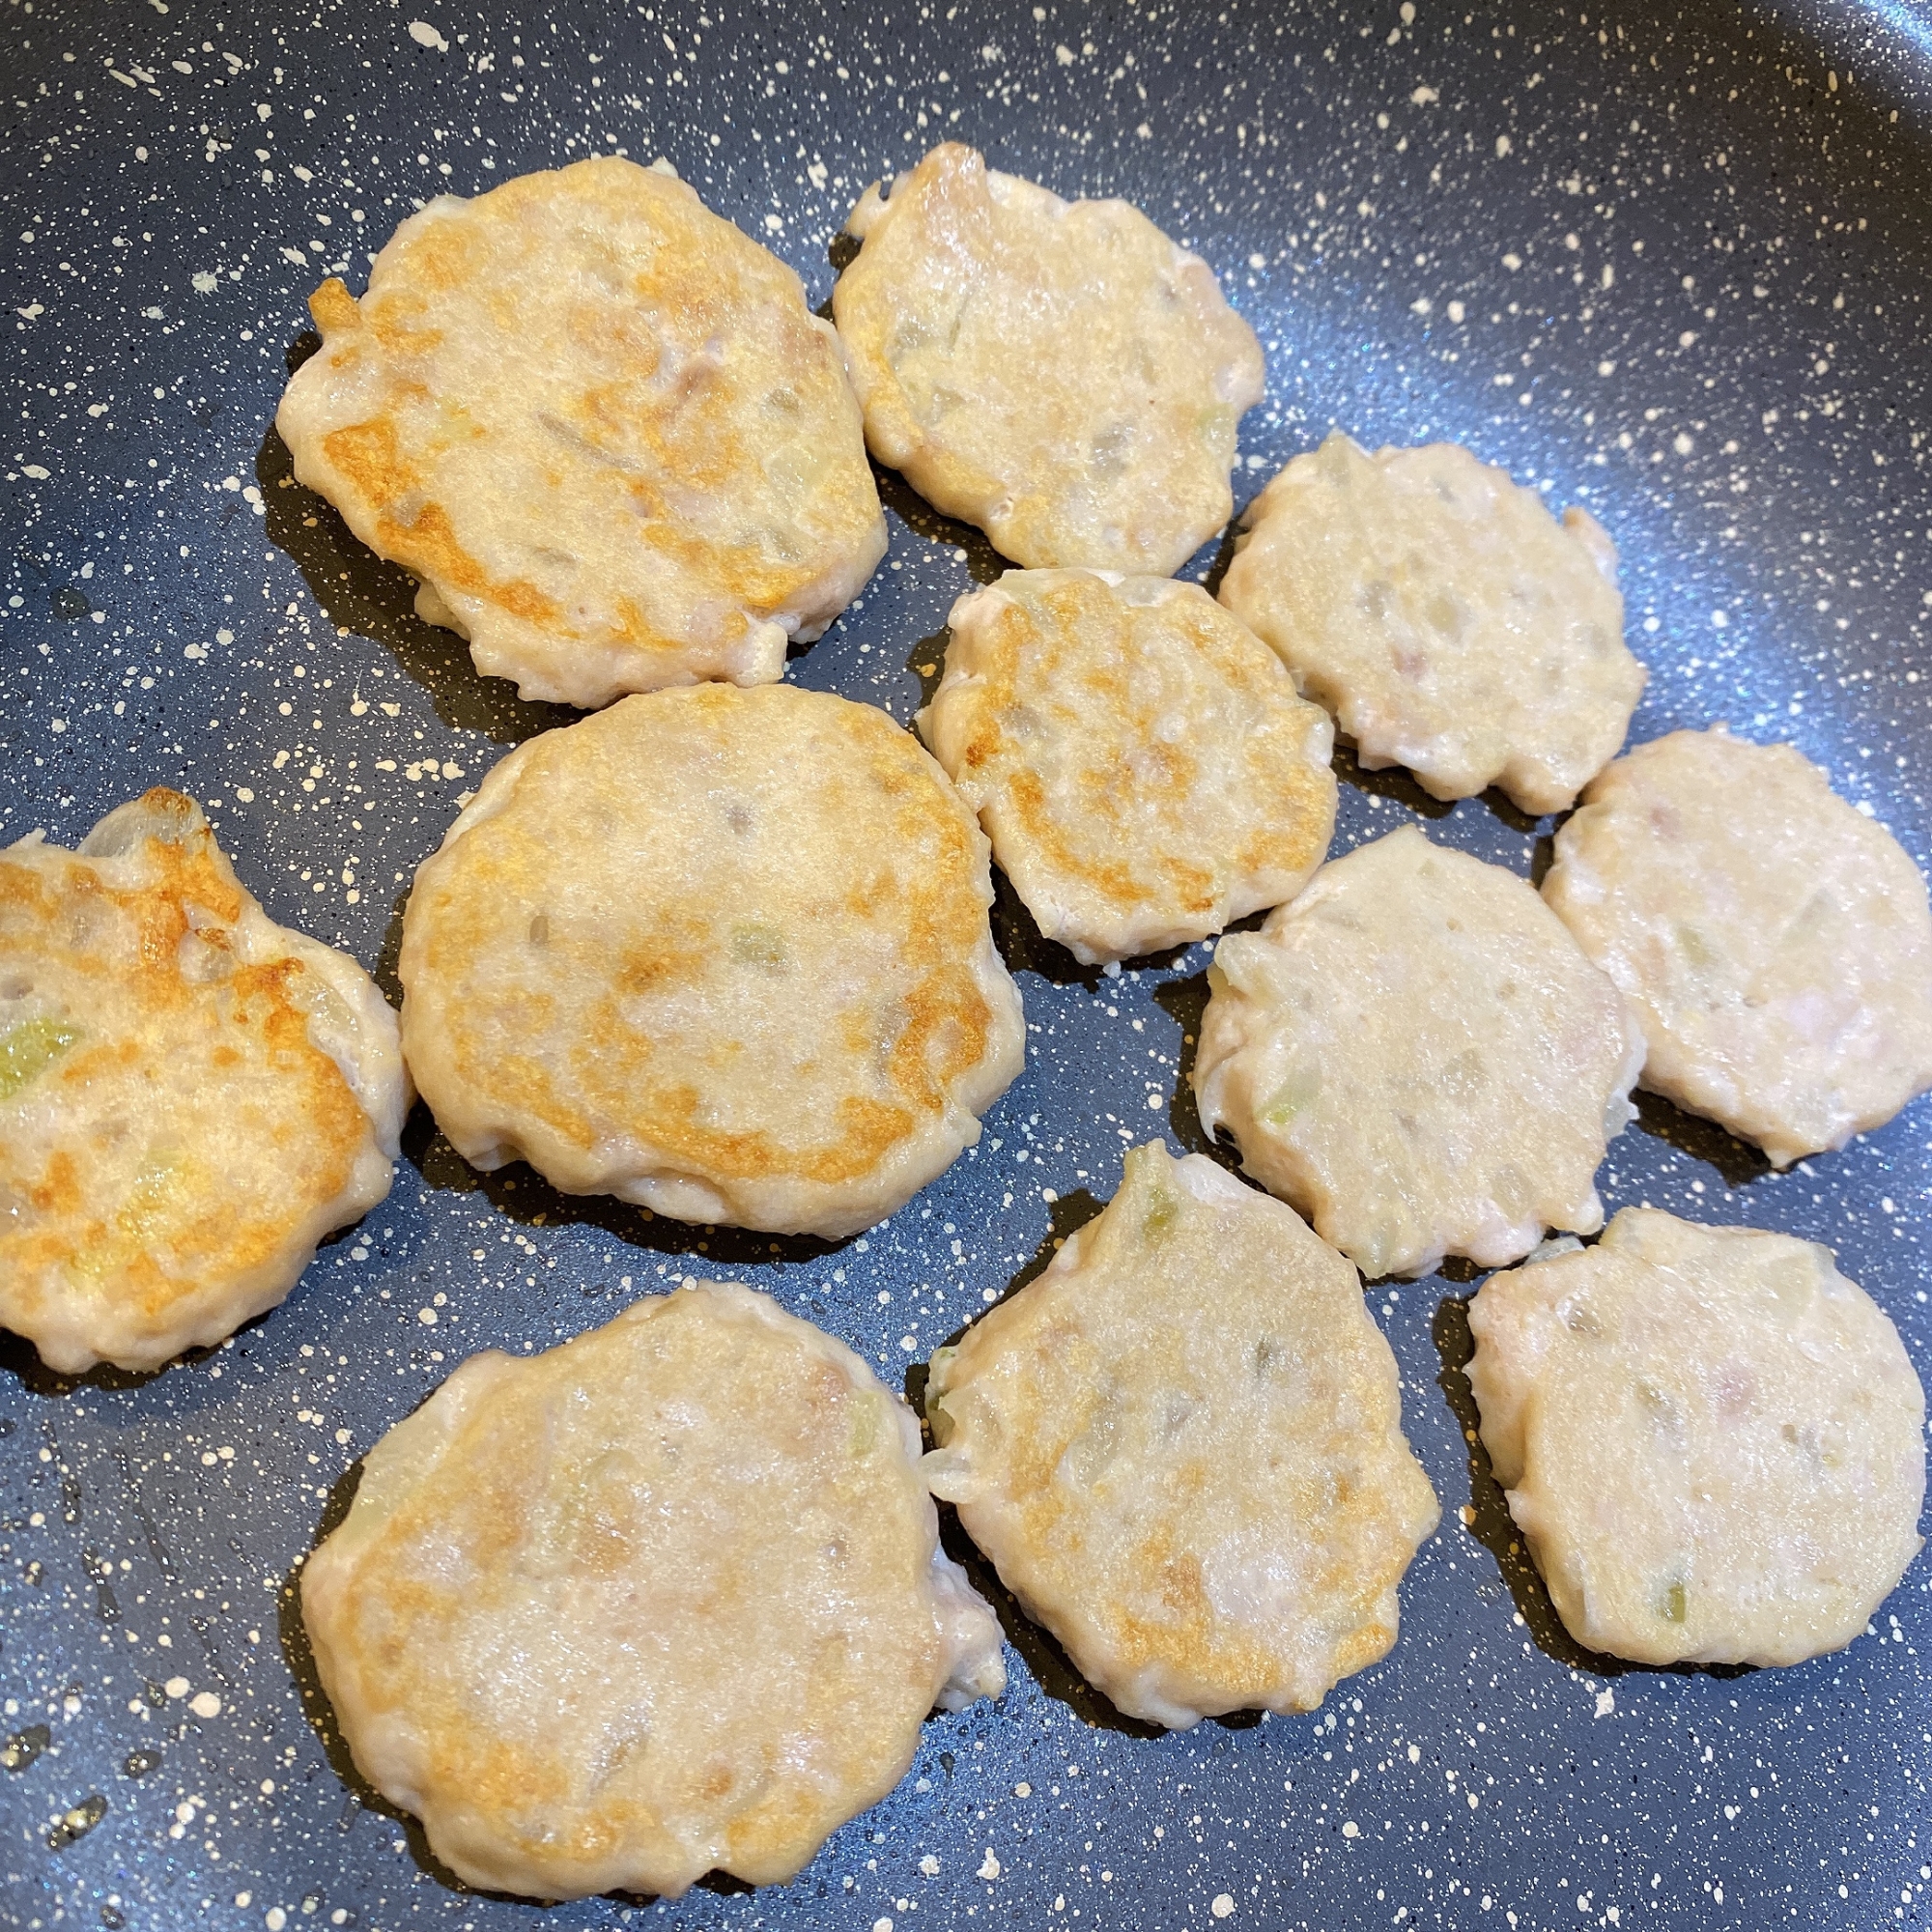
(1678, 274)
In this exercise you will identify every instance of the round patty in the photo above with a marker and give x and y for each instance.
(190, 1096)
(1059, 373)
(602, 427)
(1140, 760)
(1416, 1055)
(1445, 616)
(1775, 943)
(722, 952)
(1182, 1447)
(1712, 1440)
(665, 1599)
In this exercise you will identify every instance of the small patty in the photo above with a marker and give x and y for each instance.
(662, 1600)
(1182, 1447)
(1140, 760)
(1712, 1440)
(1059, 373)
(602, 427)
(1774, 942)
(722, 952)
(190, 1096)
(1448, 621)
(1416, 1055)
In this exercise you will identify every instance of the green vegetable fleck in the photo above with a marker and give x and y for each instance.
(1293, 1094)
(1215, 424)
(1695, 947)
(762, 946)
(1673, 1608)
(1161, 1210)
(865, 1433)
(29, 1049)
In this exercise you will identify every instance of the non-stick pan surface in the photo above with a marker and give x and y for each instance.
(1674, 268)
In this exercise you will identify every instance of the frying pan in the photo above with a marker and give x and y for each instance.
(1674, 267)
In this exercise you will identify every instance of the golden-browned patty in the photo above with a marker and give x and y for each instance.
(1416, 1055)
(602, 427)
(662, 1600)
(1445, 616)
(1713, 1441)
(1775, 943)
(1182, 1447)
(190, 1096)
(1060, 374)
(723, 953)
(1139, 759)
